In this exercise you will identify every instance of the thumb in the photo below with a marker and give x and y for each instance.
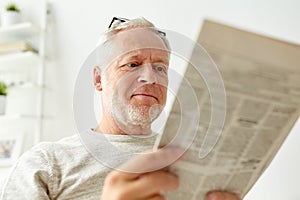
(219, 195)
(152, 161)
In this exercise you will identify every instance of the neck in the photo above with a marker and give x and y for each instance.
(108, 125)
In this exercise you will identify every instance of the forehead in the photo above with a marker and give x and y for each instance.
(136, 41)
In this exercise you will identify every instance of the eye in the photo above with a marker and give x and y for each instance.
(132, 65)
(161, 68)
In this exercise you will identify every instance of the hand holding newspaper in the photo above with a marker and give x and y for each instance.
(262, 79)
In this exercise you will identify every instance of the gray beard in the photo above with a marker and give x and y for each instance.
(135, 115)
(142, 115)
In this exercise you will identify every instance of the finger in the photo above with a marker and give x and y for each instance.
(156, 197)
(219, 195)
(149, 162)
(158, 181)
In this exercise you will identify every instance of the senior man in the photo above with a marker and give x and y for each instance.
(132, 84)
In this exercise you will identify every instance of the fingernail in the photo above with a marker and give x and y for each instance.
(211, 196)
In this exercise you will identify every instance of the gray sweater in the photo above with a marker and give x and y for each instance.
(69, 168)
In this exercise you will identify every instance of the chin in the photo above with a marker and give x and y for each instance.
(143, 115)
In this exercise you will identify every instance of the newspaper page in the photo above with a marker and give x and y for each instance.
(262, 81)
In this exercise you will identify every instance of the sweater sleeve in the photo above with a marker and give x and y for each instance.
(31, 177)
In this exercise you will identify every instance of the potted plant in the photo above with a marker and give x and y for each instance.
(11, 15)
(3, 93)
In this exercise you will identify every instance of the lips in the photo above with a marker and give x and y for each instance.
(146, 95)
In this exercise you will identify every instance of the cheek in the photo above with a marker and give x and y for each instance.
(164, 94)
(111, 83)
(121, 89)
(126, 85)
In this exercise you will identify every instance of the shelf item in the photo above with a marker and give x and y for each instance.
(10, 148)
(18, 31)
(15, 47)
(15, 61)
(23, 99)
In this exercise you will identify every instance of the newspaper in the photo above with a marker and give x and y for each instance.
(262, 81)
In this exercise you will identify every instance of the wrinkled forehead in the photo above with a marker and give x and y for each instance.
(136, 39)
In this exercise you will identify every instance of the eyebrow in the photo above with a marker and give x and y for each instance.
(137, 56)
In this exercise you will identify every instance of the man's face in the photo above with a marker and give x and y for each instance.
(135, 82)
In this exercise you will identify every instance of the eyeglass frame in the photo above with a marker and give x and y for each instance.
(122, 20)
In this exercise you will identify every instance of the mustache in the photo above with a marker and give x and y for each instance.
(151, 90)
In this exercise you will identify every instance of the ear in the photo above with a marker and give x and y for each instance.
(97, 78)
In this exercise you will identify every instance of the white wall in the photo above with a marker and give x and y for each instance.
(77, 25)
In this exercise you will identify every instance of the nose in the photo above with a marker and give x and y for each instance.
(147, 74)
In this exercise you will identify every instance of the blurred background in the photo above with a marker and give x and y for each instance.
(61, 34)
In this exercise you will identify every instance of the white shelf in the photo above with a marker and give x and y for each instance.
(33, 87)
(18, 32)
(24, 72)
(16, 61)
(13, 117)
